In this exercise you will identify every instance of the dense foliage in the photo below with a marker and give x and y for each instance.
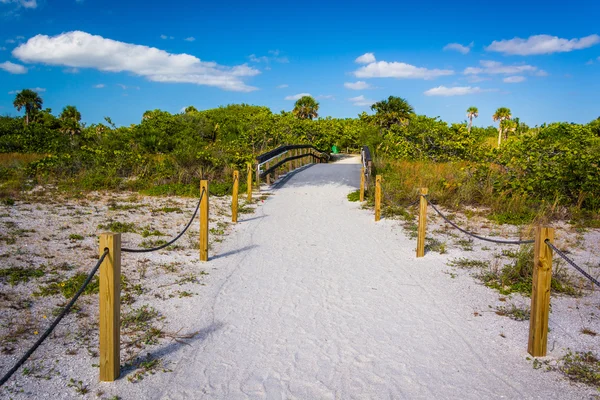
(556, 164)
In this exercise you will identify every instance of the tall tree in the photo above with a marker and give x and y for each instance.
(472, 112)
(30, 100)
(306, 108)
(500, 115)
(70, 118)
(393, 111)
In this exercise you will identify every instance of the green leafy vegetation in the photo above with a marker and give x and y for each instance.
(581, 367)
(119, 227)
(517, 276)
(513, 312)
(521, 174)
(354, 196)
(69, 287)
(16, 275)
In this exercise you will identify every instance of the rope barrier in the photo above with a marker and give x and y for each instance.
(568, 260)
(172, 241)
(477, 236)
(48, 331)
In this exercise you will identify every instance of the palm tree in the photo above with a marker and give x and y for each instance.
(472, 112)
(501, 114)
(70, 118)
(508, 126)
(30, 100)
(393, 111)
(306, 108)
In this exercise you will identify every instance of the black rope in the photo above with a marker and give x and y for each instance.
(176, 237)
(477, 236)
(64, 312)
(577, 267)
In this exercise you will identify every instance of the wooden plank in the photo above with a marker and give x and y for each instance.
(249, 183)
(377, 197)
(204, 221)
(234, 196)
(362, 184)
(540, 294)
(110, 307)
(422, 223)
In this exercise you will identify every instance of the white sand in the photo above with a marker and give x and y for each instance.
(308, 298)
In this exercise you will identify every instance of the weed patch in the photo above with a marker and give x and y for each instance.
(119, 227)
(16, 275)
(69, 287)
(354, 196)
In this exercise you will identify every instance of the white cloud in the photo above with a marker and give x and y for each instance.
(190, 39)
(10, 41)
(542, 44)
(358, 85)
(366, 58)
(99, 86)
(590, 62)
(296, 96)
(273, 57)
(384, 69)
(13, 68)
(71, 70)
(81, 50)
(164, 37)
(459, 47)
(455, 91)
(476, 79)
(255, 59)
(283, 86)
(2, 48)
(35, 89)
(125, 87)
(514, 79)
(20, 37)
(21, 3)
(497, 68)
(361, 101)
(326, 97)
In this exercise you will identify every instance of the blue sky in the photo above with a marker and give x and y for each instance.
(118, 59)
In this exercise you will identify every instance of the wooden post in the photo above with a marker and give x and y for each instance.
(257, 177)
(540, 293)
(204, 221)
(234, 196)
(268, 175)
(110, 307)
(377, 197)
(362, 184)
(249, 183)
(422, 223)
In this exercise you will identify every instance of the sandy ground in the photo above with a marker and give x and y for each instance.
(306, 298)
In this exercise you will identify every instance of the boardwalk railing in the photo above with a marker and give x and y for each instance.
(544, 249)
(287, 158)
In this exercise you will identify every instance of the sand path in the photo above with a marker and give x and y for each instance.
(316, 301)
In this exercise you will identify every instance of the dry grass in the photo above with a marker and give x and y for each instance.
(18, 159)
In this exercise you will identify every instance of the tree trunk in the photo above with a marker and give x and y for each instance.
(26, 118)
(470, 123)
(499, 135)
